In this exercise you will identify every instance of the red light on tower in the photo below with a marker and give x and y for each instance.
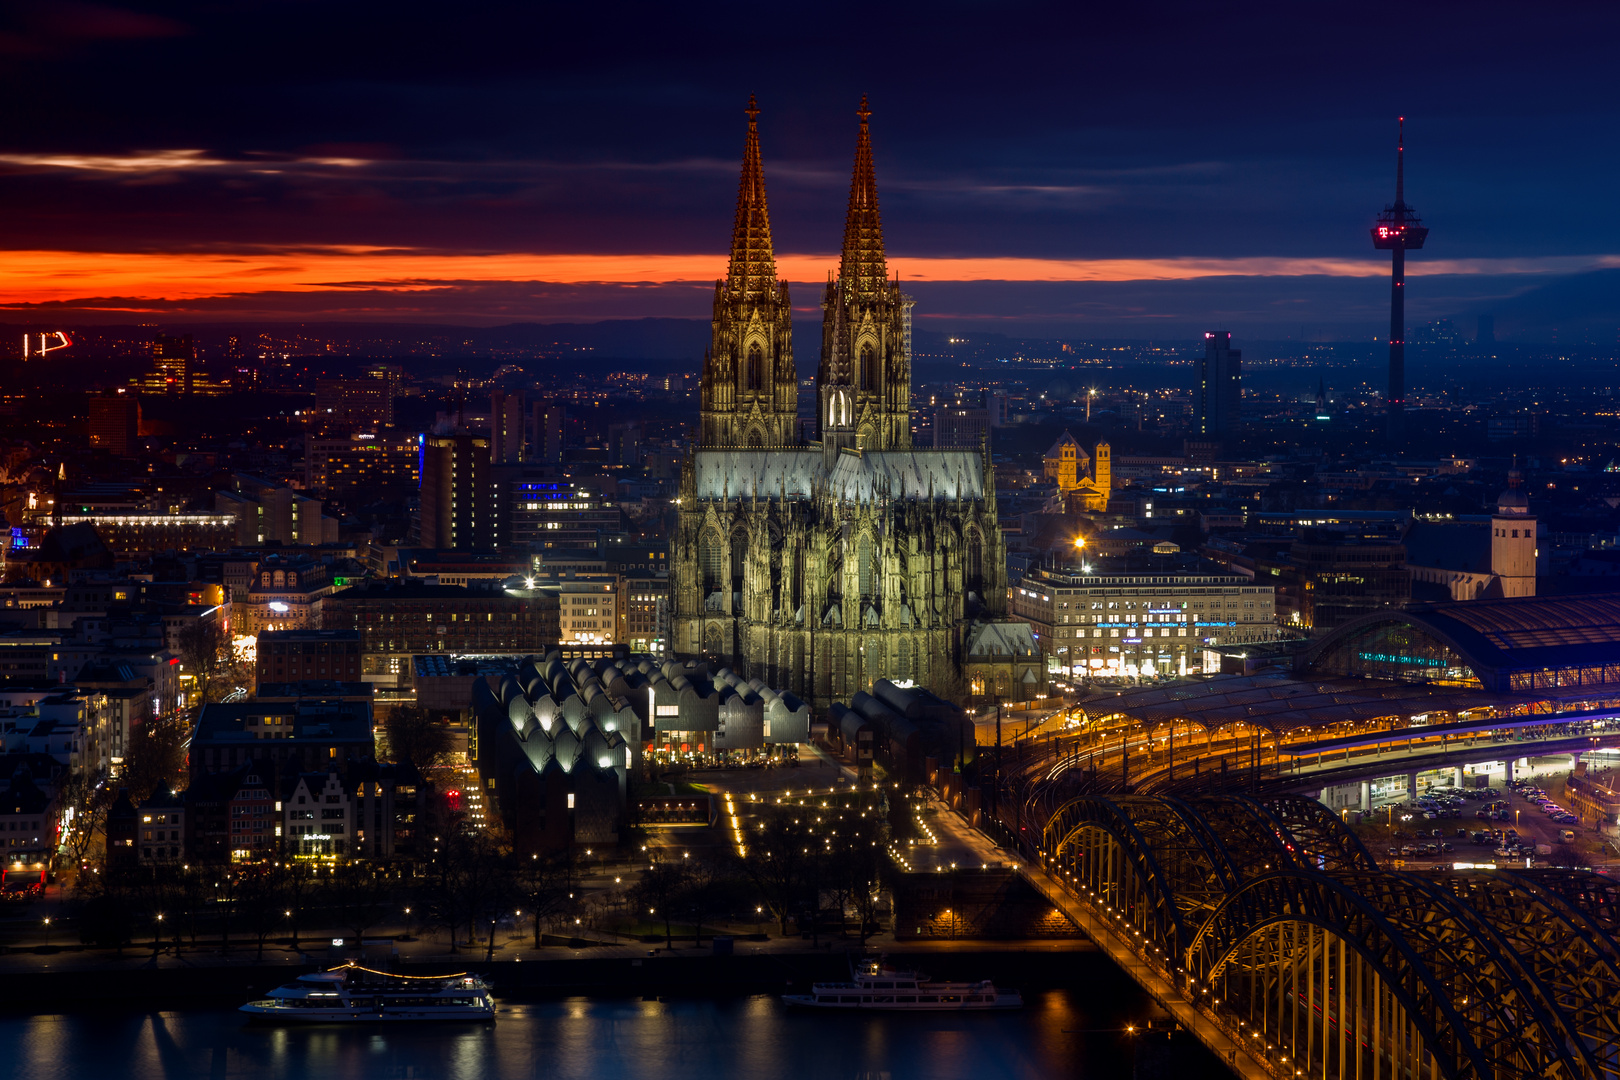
(1398, 231)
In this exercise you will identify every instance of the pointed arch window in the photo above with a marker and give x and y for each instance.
(755, 368)
(974, 570)
(739, 559)
(902, 661)
(711, 559)
(866, 567)
(869, 379)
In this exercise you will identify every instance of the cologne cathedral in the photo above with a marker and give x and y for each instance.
(820, 565)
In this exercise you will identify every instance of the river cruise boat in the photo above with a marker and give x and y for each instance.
(351, 994)
(875, 985)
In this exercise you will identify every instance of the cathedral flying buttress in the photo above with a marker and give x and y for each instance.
(821, 567)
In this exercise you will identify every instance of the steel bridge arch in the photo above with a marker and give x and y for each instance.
(1547, 919)
(1428, 950)
(1176, 869)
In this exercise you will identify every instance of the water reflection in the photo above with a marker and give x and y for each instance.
(596, 1039)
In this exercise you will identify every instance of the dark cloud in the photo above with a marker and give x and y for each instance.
(1047, 130)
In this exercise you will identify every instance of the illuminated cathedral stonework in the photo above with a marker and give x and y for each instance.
(822, 566)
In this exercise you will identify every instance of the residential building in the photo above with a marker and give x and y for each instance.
(162, 837)
(642, 606)
(254, 830)
(396, 618)
(310, 732)
(506, 427)
(306, 655)
(28, 830)
(460, 508)
(269, 514)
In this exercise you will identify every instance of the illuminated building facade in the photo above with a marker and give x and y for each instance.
(1130, 620)
(820, 567)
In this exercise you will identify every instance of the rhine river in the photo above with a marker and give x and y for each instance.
(1058, 1033)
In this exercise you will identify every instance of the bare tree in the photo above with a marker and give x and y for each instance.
(660, 889)
(298, 888)
(411, 735)
(777, 861)
(82, 805)
(710, 887)
(358, 897)
(546, 884)
(156, 756)
(262, 899)
(206, 653)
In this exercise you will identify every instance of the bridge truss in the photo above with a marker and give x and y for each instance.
(1269, 915)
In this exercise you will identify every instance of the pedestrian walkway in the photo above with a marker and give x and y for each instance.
(1152, 979)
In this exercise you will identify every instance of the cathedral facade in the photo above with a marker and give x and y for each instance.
(823, 565)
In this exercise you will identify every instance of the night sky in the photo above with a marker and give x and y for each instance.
(1104, 170)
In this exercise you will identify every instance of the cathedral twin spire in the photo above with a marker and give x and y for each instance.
(863, 270)
(750, 386)
(753, 262)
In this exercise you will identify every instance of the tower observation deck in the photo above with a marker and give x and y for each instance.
(1399, 230)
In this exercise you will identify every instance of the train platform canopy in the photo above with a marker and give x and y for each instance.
(1284, 703)
(1548, 655)
(1566, 645)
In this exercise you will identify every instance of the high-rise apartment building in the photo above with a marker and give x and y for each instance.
(460, 506)
(1218, 397)
(550, 429)
(266, 513)
(115, 423)
(506, 428)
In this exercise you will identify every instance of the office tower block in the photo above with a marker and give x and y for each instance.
(115, 423)
(174, 356)
(1218, 397)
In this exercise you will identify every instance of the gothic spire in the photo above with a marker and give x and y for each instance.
(753, 263)
(862, 270)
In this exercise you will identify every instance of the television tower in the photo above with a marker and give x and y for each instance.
(1398, 231)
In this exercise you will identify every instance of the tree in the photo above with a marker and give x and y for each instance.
(856, 865)
(473, 882)
(662, 885)
(83, 804)
(777, 861)
(298, 887)
(262, 901)
(415, 737)
(206, 653)
(709, 887)
(156, 754)
(358, 897)
(546, 886)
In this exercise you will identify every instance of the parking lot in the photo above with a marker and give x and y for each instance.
(1520, 825)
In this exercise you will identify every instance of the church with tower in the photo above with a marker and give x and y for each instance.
(821, 565)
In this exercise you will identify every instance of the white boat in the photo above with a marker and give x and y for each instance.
(352, 993)
(875, 985)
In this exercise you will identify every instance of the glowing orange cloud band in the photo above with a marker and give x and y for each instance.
(33, 277)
